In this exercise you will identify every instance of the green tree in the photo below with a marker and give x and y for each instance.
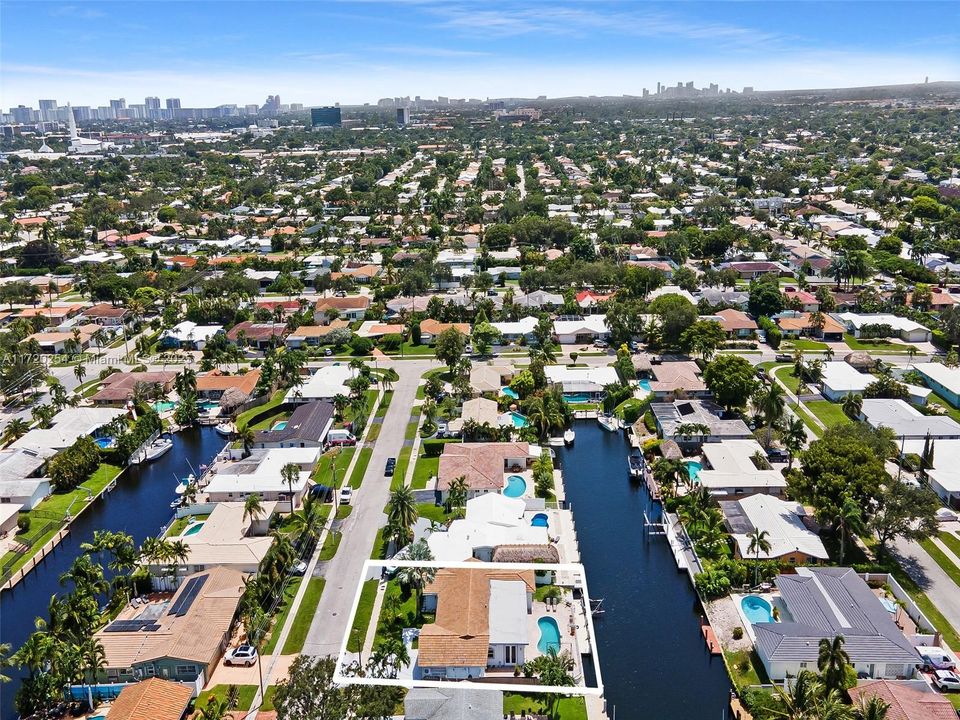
(402, 510)
(290, 474)
(450, 346)
(833, 663)
(253, 508)
(906, 511)
(703, 338)
(731, 380)
(759, 543)
(676, 314)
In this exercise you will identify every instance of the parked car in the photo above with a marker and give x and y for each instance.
(298, 568)
(322, 493)
(243, 655)
(328, 352)
(935, 658)
(390, 466)
(784, 357)
(491, 292)
(634, 346)
(468, 349)
(777, 455)
(600, 343)
(761, 373)
(946, 681)
(346, 495)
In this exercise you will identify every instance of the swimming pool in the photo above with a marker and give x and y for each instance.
(577, 397)
(519, 420)
(516, 486)
(208, 405)
(193, 529)
(693, 470)
(540, 520)
(645, 384)
(509, 392)
(756, 609)
(280, 425)
(163, 406)
(549, 635)
(105, 442)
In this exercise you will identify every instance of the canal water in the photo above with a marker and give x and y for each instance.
(139, 505)
(653, 660)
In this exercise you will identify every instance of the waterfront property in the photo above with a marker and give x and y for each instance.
(152, 699)
(736, 468)
(65, 427)
(261, 473)
(118, 388)
(307, 427)
(692, 423)
(907, 699)
(583, 381)
(225, 538)
(487, 467)
(20, 486)
(675, 379)
(791, 533)
(453, 704)
(821, 603)
(180, 637)
(325, 384)
(490, 378)
(212, 385)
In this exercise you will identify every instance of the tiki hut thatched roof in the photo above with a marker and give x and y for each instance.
(231, 398)
(860, 360)
(670, 450)
(526, 554)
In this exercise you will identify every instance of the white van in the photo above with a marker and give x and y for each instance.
(934, 658)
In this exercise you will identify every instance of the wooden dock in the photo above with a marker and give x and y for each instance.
(37, 558)
(710, 638)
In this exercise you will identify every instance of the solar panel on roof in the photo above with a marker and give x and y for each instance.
(124, 626)
(187, 596)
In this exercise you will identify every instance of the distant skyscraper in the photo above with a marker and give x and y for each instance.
(48, 110)
(403, 116)
(152, 103)
(120, 104)
(173, 103)
(271, 106)
(325, 117)
(22, 114)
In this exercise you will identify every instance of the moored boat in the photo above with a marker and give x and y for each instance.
(225, 429)
(158, 447)
(568, 437)
(608, 422)
(635, 463)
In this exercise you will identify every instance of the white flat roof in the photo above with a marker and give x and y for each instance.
(843, 377)
(732, 466)
(786, 532)
(263, 473)
(325, 383)
(66, 426)
(586, 379)
(941, 374)
(590, 323)
(507, 619)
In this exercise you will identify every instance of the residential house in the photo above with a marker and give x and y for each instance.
(841, 379)
(691, 423)
(582, 380)
(820, 604)
(151, 699)
(738, 467)
(188, 335)
(325, 384)
(751, 270)
(58, 343)
(944, 476)
(430, 329)
(65, 427)
(795, 324)
(907, 422)
(212, 385)
(905, 699)
(179, 639)
(351, 308)
(677, 380)
(516, 331)
(107, 315)
(20, 486)
(306, 427)
(118, 388)
(581, 331)
(485, 466)
(455, 704)
(258, 335)
(943, 380)
(481, 622)
(801, 300)
(904, 328)
(490, 378)
(736, 324)
(792, 533)
(313, 335)
(539, 299)
(261, 473)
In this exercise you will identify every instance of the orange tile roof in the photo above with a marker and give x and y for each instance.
(152, 699)
(482, 464)
(433, 327)
(216, 380)
(906, 703)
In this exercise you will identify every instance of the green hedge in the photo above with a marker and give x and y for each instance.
(434, 448)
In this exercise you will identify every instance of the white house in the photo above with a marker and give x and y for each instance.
(514, 331)
(904, 328)
(325, 384)
(735, 468)
(790, 539)
(908, 422)
(188, 335)
(261, 473)
(841, 379)
(590, 328)
(589, 380)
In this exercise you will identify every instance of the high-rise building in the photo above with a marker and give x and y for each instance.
(82, 112)
(152, 103)
(252, 109)
(22, 114)
(48, 110)
(403, 116)
(120, 104)
(325, 117)
(271, 106)
(173, 103)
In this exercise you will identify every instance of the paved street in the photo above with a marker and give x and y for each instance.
(938, 586)
(360, 528)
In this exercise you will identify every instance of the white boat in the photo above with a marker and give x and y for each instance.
(608, 422)
(185, 483)
(225, 429)
(568, 437)
(157, 448)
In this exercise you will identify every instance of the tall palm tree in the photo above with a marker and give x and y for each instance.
(308, 520)
(853, 405)
(15, 429)
(670, 474)
(457, 493)
(794, 436)
(178, 552)
(832, 662)
(402, 510)
(771, 403)
(79, 371)
(248, 437)
(253, 507)
(800, 698)
(290, 473)
(872, 708)
(849, 520)
(417, 577)
(758, 544)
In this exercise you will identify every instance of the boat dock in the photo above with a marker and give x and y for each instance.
(710, 638)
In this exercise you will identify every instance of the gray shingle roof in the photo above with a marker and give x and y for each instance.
(308, 422)
(453, 704)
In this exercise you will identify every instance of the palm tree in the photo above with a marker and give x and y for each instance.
(849, 519)
(248, 437)
(771, 403)
(5, 661)
(308, 520)
(79, 371)
(215, 709)
(832, 662)
(670, 474)
(801, 697)
(15, 429)
(253, 508)
(794, 437)
(402, 510)
(340, 403)
(758, 544)
(853, 405)
(178, 552)
(290, 473)
(457, 493)
(417, 577)
(872, 708)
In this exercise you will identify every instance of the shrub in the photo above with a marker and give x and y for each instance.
(361, 346)
(391, 342)
(713, 584)
(23, 524)
(738, 633)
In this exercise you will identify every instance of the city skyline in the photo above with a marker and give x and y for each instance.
(356, 52)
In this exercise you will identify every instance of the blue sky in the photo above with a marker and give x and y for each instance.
(354, 51)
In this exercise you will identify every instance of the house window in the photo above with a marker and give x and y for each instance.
(150, 671)
(510, 654)
(490, 653)
(186, 670)
(803, 665)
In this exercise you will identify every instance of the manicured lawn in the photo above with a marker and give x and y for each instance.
(829, 413)
(400, 471)
(411, 431)
(892, 348)
(948, 566)
(951, 541)
(361, 620)
(942, 402)
(304, 616)
(42, 525)
(426, 468)
(356, 477)
(343, 511)
(324, 475)
(430, 511)
(567, 708)
(770, 364)
(807, 345)
(443, 373)
(330, 545)
(281, 616)
(245, 696)
(379, 551)
(269, 422)
(745, 668)
(410, 349)
(786, 377)
(244, 417)
(807, 419)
